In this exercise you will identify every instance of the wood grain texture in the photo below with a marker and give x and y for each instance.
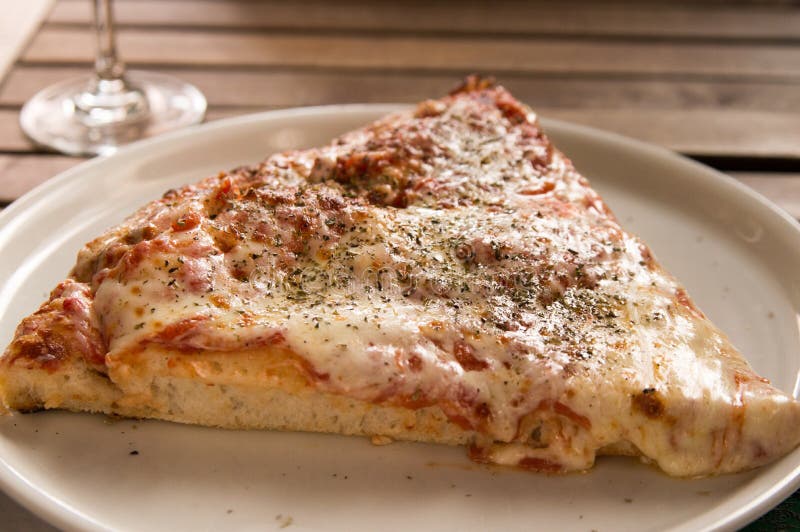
(11, 136)
(693, 132)
(643, 19)
(14, 142)
(457, 54)
(698, 131)
(21, 173)
(270, 87)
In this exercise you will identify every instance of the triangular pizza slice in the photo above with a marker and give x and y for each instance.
(442, 275)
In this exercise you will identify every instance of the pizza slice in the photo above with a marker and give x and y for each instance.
(442, 275)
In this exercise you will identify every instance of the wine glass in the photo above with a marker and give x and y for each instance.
(97, 113)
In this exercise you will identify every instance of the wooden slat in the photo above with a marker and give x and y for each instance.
(163, 47)
(782, 189)
(534, 18)
(12, 139)
(20, 173)
(694, 132)
(11, 136)
(248, 87)
(699, 131)
(706, 118)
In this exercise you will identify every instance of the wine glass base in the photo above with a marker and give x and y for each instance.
(52, 119)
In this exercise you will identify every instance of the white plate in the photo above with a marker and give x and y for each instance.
(738, 255)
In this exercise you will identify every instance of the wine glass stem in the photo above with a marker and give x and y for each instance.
(108, 98)
(106, 65)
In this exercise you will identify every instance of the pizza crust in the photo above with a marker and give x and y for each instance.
(214, 390)
(177, 395)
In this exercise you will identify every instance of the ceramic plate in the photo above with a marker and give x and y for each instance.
(738, 255)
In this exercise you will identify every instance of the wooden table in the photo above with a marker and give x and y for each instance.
(719, 82)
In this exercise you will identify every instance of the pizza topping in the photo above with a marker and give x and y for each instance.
(374, 251)
(465, 356)
(455, 259)
(61, 328)
(394, 267)
(186, 222)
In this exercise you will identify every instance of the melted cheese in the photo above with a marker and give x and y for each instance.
(453, 258)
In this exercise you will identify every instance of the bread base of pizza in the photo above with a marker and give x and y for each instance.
(216, 392)
(443, 275)
(291, 406)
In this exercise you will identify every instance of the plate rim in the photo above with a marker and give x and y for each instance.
(63, 515)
